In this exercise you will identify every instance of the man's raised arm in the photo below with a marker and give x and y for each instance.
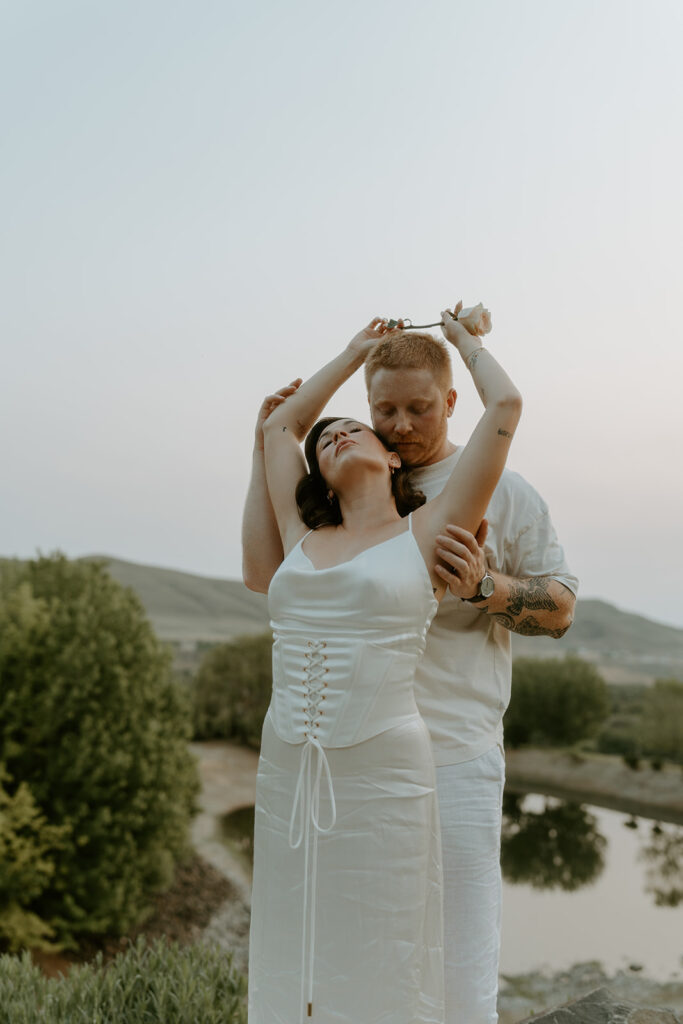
(261, 543)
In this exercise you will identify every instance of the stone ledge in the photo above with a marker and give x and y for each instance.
(601, 1007)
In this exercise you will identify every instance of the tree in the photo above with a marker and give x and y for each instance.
(554, 701)
(93, 725)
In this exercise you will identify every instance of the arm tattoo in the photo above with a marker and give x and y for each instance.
(472, 358)
(504, 433)
(530, 626)
(283, 429)
(533, 595)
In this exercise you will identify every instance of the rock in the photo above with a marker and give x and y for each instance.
(601, 1007)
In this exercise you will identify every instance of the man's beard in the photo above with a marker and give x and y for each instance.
(411, 451)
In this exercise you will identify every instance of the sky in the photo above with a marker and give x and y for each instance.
(201, 201)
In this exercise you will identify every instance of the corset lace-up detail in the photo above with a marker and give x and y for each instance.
(306, 806)
(314, 683)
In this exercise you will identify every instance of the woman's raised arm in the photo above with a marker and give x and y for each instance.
(290, 422)
(467, 493)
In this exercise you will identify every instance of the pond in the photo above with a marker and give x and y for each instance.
(585, 883)
(580, 883)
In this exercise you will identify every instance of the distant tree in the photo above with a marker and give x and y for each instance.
(95, 729)
(554, 701)
(662, 728)
(232, 690)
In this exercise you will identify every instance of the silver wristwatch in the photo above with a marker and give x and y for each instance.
(486, 587)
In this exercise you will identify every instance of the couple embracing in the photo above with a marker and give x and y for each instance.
(396, 565)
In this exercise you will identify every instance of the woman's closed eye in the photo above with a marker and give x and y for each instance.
(328, 442)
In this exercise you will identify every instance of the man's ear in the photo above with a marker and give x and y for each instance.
(451, 399)
(394, 460)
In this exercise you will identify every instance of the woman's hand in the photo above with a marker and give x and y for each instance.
(269, 403)
(364, 342)
(453, 330)
(471, 323)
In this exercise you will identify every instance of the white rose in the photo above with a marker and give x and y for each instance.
(476, 320)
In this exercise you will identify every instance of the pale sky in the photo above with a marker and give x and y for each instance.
(203, 200)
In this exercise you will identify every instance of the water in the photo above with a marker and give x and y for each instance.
(579, 883)
(584, 883)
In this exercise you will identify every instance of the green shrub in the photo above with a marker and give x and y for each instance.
(663, 720)
(158, 984)
(92, 724)
(27, 848)
(618, 740)
(232, 690)
(554, 701)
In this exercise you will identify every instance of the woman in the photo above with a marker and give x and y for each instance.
(346, 909)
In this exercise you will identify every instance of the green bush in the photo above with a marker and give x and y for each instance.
(663, 720)
(27, 849)
(232, 690)
(158, 984)
(618, 740)
(554, 702)
(92, 724)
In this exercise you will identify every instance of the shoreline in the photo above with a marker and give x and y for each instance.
(600, 779)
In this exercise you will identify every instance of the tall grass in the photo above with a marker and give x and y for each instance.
(156, 984)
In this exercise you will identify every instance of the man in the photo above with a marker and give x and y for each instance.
(511, 577)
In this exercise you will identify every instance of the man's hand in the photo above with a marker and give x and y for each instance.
(465, 560)
(269, 403)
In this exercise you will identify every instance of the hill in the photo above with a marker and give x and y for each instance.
(191, 611)
(187, 609)
(627, 647)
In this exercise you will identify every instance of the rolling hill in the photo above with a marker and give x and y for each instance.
(192, 611)
(188, 609)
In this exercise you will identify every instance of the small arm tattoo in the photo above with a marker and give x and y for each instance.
(283, 429)
(504, 433)
(472, 358)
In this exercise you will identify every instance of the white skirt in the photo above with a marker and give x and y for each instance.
(358, 918)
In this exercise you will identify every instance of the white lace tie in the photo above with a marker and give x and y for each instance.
(307, 809)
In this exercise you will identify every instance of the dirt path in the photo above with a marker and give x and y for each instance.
(228, 779)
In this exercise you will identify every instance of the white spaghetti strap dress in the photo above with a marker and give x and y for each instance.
(347, 902)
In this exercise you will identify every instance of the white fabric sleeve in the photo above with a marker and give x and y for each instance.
(533, 549)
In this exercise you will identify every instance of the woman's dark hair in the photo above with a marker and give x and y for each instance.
(316, 509)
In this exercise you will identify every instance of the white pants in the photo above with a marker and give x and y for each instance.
(470, 800)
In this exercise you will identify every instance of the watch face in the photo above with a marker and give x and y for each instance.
(487, 586)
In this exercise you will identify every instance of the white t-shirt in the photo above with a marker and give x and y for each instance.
(462, 685)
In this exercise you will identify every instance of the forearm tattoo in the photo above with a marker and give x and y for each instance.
(504, 433)
(531, 595)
